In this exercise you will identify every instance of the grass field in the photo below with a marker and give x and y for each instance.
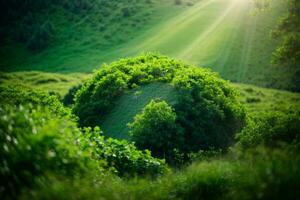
(223, 35)
(53, 83)
(81, 41)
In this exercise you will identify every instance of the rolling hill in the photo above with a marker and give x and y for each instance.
(224, 35)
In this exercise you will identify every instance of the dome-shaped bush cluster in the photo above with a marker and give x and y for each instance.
(207, 110)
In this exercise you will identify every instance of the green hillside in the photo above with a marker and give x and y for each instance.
(72, 36)
(223, 35)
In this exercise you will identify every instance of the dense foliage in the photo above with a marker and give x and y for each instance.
(35, 143)
(271, 129)
(21, 95)
(208, 112)
(155, 129)
(288, 53)
(120, 156)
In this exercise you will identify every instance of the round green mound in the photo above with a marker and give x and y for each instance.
(207, 110)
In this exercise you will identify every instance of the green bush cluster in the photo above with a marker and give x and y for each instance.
(207, 110)
(155, 129)
(21, 95)
(272, 130)
(35, 143)
(287, 53)
(208, 113)
(120, 156)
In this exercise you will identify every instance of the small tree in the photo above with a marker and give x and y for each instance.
(155, 129)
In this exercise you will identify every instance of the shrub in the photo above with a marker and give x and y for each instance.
(21, 95)
(121, 156)
(271, 129)
(155, 129)
(35, 143)
(207, 108)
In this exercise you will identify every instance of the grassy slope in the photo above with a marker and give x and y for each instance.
(49, 82)
(255, 99)
(220, 34)
(81, 41)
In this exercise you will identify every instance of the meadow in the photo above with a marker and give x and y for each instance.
(148, 99)
(225, 35)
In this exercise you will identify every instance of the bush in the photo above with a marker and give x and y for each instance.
(21, 95)
(207, 108)
(121, 157)
(35, 143)
(155, 129)
(271, 129)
